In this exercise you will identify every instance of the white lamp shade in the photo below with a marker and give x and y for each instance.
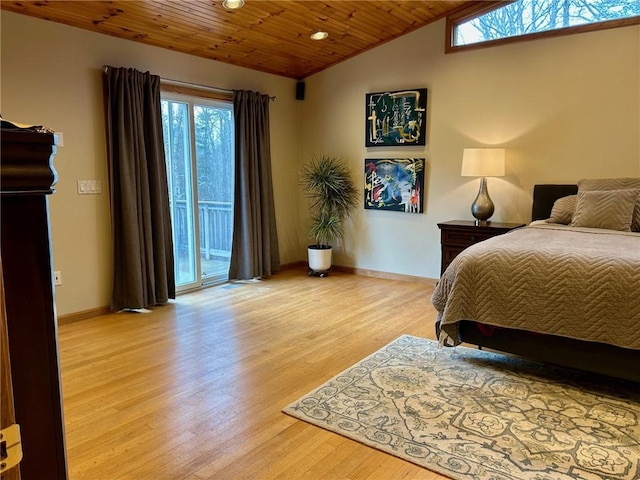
(483, 162)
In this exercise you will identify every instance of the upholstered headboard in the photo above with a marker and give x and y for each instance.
(545, 195)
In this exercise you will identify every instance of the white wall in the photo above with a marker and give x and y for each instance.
(565, 108)
(51, 75)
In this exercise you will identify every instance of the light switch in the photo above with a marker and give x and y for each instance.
(89, 187)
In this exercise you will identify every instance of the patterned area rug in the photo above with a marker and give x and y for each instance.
(469, 414)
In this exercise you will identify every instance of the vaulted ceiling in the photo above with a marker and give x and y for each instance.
(269, 36)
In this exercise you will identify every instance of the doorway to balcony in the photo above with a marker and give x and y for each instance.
(198, 141)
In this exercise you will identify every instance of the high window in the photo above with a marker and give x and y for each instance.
(198, 141)
(534, 18)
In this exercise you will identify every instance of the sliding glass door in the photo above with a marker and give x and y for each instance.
(198, 136)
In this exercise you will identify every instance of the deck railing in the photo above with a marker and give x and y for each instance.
(216, 224)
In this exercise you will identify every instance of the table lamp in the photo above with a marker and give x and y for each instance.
(483, 162)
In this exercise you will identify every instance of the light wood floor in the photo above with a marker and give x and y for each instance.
(194, 390)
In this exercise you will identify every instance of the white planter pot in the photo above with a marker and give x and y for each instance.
(319, 258)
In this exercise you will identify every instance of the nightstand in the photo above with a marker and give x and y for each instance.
(456, 235)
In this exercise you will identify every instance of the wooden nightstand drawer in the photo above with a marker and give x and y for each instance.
(456, 235)
(464, 238)
(449, 254)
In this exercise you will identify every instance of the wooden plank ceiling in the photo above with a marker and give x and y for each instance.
(269, 36)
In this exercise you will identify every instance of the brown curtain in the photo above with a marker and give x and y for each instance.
(141, 223)
(254, 250)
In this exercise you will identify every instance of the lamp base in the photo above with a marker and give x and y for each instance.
(482, 207)
(482, 223)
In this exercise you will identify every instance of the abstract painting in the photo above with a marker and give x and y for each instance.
(396, 118)
(394, 184)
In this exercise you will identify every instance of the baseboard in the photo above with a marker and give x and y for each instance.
(293, 265)
(386, 275)
(367, 273)
(83, 315)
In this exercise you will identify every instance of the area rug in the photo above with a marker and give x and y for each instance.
(469, 414)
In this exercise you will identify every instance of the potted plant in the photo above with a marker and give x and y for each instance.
(327, 182)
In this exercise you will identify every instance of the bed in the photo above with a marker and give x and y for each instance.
(564, 290)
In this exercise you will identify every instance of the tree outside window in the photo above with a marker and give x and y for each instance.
(524, 17)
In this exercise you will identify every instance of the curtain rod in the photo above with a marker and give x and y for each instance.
(180, 83)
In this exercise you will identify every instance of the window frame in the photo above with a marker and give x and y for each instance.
(483, 8)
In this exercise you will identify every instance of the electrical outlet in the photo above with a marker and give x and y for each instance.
(57, 277)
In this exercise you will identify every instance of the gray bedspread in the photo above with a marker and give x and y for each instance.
(574, 282)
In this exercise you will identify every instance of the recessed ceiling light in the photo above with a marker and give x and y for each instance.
(319, 35)
(232, 4)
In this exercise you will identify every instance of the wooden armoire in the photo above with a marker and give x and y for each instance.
(27, 177)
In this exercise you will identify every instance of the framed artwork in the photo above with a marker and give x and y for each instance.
(396, 118)
(395, 184)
